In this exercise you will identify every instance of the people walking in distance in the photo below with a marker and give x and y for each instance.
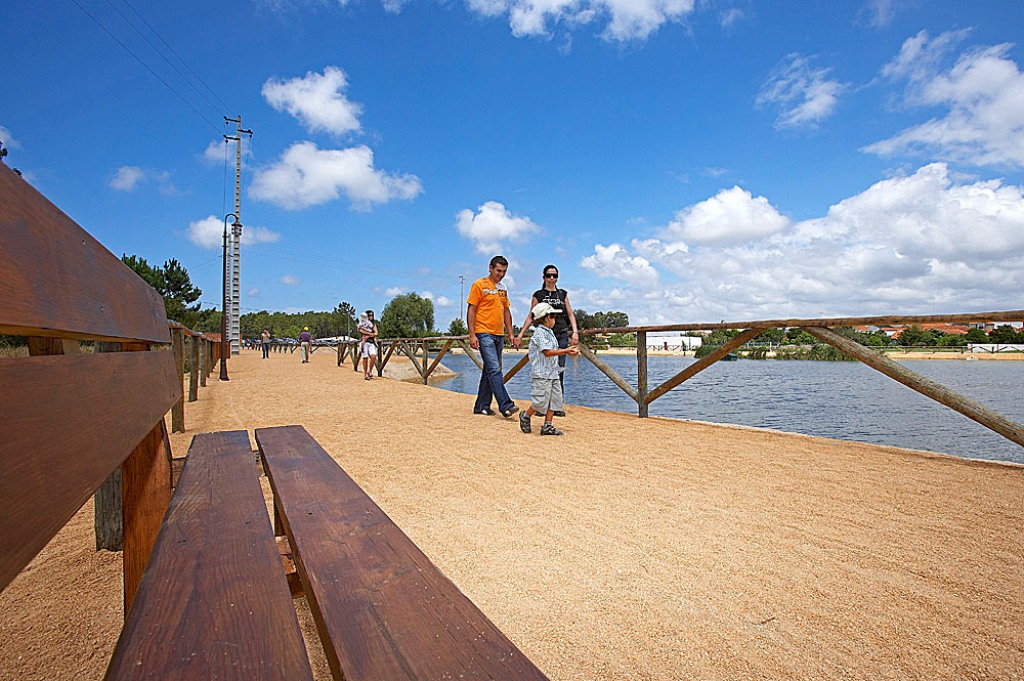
(265, 343)
(305, 344)
(566, 331)
(545, 389)
(489, 319)
(368, 342)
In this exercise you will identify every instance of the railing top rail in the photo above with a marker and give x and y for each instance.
(828, 322)
(171, 324)
(880, 320)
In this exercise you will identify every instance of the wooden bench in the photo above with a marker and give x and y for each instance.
(206, 592)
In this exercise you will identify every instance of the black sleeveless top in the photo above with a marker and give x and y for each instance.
(555, 299)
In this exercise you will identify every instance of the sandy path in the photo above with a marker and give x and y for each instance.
(651, 549)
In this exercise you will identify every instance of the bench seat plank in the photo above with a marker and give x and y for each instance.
(68, 422)
(383, 609)
(214, 602)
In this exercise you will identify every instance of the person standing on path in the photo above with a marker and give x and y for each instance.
(558, 298)
(545, 389)
(265, 343)
(368, 342)
(488, 318)
(305, 343)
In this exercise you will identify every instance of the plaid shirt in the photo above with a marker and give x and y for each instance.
(542, 366)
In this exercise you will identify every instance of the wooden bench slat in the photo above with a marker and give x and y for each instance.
(214, 602)
(57, 280)
(68, 422)
(383, 609)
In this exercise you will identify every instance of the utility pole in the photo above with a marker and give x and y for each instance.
(462, 297)
(236, 234)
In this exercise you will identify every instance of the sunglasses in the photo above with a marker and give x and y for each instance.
(551, 275)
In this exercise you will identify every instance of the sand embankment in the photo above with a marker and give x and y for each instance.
(627, 549)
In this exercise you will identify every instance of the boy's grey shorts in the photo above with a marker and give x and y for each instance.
(545, 394)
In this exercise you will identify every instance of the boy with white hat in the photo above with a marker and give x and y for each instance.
(545, 388)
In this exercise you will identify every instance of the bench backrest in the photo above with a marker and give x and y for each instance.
(71, 419)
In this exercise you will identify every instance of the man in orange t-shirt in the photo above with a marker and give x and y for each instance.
(489, 320)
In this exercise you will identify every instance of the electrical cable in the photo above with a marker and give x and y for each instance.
(146, 66)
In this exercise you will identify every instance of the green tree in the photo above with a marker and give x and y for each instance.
(457, 327)
(344, 318)
(916, 336)
(976, 336)
(407, 316)
(1005, 334)
(173, 283)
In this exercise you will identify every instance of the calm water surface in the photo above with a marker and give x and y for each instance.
(842, 400)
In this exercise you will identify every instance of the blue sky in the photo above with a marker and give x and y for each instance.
(679, 160)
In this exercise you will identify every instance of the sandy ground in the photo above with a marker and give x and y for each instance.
(627, 549)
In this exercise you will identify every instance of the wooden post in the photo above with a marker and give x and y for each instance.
(146, 493)
(178, 410)
(641, 374)
(108, 516)
(426, 360)
(992, 420)
(202, 361)
(193, 370)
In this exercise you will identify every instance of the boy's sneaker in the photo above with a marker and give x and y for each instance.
(486, 411)
(524, 422)
(559, 412)
(511, 410)
(549, 429)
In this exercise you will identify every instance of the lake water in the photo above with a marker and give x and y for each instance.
(841, 400)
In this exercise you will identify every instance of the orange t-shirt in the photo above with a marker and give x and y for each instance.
(491, 301)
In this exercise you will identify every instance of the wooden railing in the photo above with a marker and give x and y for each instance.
(419, 349)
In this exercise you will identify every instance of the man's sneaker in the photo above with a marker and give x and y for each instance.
(486, 411)
(524, 422)
(550, 429)
(511, 410)
(559, 413)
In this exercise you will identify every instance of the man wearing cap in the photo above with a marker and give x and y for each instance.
(489, 319)
(305, 341)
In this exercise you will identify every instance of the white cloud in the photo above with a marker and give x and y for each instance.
(316, 100)
(732, 216)
(439, 301)
(615, 262)
(492, 225)
(308, 176)
(127, 178)
(920, 243)
(394, 291)
(209, 233)
(805, 95)
(289, 280)
(983, 94)
(626, 20)
(222, 151)
(7, 137)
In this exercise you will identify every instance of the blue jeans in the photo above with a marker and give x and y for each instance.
(491, 382)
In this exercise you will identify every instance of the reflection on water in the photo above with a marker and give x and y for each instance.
(842, 400)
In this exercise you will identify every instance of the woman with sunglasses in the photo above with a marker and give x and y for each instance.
(565, 324)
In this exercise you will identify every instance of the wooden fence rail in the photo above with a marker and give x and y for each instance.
(418, 350)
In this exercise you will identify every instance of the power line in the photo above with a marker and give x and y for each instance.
(158, 51)
(147, 67)
(224, 106)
